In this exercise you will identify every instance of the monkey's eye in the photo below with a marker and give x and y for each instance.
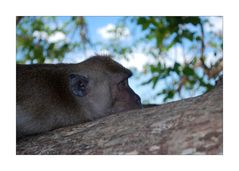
(123, 84)
(81, 86)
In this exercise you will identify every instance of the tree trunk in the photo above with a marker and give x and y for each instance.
(190, 126)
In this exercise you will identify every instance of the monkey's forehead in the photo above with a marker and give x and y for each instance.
(107, 63)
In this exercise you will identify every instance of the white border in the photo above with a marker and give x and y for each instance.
(10, 9)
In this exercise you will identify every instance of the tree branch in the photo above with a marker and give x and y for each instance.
(202, 58)
(190, 126)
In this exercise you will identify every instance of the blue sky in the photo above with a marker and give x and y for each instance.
(95, 23)
(146, 92)
(97, 31)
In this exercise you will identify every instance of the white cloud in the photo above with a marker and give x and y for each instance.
(57, 36)
(105, 32)
(179, 55)
(215, 25)
(40, 34)
(137, 60)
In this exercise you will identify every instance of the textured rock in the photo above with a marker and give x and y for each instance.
(190, 126)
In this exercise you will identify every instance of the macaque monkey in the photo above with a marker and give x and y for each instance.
(51, 96)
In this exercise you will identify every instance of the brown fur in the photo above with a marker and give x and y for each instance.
(45, 100)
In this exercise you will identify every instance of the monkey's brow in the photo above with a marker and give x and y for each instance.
(127, 71)
(125, 75)
(128, 75)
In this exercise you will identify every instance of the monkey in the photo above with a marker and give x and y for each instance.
(51, 96)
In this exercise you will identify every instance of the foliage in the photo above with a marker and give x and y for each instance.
(169, 32)
(159, 37)
(197, 71)
(35, 42)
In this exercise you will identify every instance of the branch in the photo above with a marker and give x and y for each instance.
(190, 126)
(216, 69)
(202, 58)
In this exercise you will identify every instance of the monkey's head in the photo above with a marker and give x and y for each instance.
(100, 86)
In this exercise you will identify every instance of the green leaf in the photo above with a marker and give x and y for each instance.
(155, 81)
(170, 94)
(176, 68)
(188, 71)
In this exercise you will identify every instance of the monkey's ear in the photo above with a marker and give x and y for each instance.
(78, 84)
